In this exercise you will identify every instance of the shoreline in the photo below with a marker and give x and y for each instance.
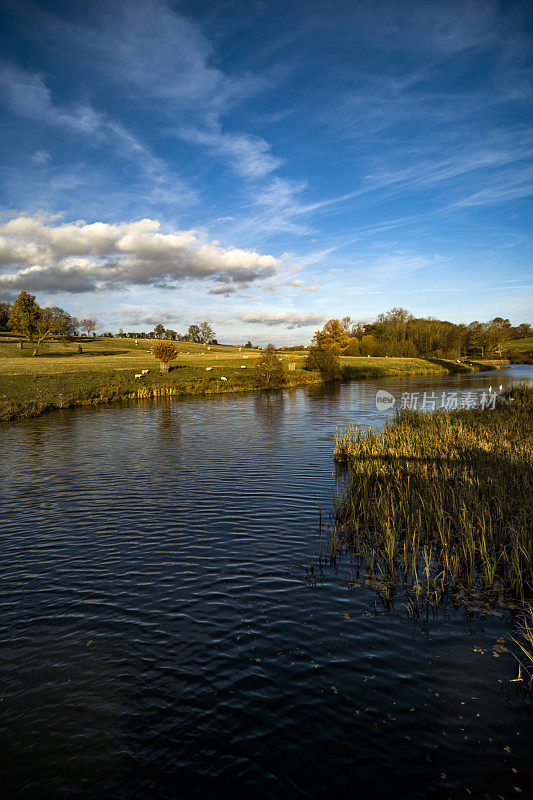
(13, 410)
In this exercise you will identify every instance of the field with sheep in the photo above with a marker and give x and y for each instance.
(118, 369)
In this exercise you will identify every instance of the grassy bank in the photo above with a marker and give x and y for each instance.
(60, 377)
(440, 504)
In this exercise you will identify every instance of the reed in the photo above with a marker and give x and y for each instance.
(441, 503)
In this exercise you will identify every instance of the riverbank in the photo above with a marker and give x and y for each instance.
(104, 372)
(439, 503)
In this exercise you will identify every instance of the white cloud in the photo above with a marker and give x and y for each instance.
(40, 254)
(291, 319)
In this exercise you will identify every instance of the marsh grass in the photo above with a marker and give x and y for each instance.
(440, 504)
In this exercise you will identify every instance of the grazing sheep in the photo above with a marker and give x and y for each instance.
(138, 375)
(243, 366)
(208, 368)
(145, 371)
(222, 378)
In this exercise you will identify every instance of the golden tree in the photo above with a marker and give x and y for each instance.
(164, 352)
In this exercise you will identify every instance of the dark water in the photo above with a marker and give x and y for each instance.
(160, 636)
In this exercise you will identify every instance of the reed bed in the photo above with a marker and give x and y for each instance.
(440, 503)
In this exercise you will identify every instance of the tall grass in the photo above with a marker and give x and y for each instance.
(441, 503)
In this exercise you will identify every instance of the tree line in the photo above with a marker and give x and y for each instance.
(201, 333)
(398, 333)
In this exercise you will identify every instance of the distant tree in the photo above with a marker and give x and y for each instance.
(248, 344)
(5, 309)
(194, 333)
(325, 359)
(206, 332)
(164, 352)
(268, 371)
(159, 331)
(522, 331)
(88, 325)
(25, 315)
(170, 334)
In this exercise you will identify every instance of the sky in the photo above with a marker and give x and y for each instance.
(267, 165)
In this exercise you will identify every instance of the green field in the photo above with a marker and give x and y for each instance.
(105, 371)
(521, 344)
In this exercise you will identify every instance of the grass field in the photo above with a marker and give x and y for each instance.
(59, 377)
(521, 344)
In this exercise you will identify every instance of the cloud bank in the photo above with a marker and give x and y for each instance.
(40, 254)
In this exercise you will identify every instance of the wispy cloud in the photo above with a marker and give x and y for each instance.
(291, 319)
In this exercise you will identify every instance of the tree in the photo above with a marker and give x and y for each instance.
(268, 371)
(325, 359)
(53, 321)
(88, 325)
(5, 309)
(159, 331)
(335, 333)
(170, 334)
(248, 344)
(164, 352)
(194, 333)
(25, 315)
(207, 333)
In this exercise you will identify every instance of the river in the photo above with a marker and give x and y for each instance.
(161, 635)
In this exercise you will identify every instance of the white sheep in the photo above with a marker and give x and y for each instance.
(138, 375)
(208, 368)
(222, 378)
(145, 371)
(243, 366)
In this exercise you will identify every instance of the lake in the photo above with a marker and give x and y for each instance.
(162, 634)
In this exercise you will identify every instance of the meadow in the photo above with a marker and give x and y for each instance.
(60, 377)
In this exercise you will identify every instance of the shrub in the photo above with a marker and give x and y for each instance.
(268, 371)
(165, 352)
(324, 358)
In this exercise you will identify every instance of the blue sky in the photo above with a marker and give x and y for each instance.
(267, 165)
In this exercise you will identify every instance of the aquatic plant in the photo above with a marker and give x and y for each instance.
(441, 502)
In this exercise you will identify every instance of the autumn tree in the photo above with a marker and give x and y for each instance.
(334, 334)
(268, 371)
(164, 352)
(25, 315)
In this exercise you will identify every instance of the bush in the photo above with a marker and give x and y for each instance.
(268, 371)
(324, 358)
(164, 352)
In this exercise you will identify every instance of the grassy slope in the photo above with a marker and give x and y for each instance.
(521, 344)
(59, 377)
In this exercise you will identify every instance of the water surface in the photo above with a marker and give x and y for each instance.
(161, 637)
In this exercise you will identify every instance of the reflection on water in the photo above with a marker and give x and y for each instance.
(160, 636)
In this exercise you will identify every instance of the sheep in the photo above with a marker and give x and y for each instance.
(243, 366)
(208, 368)
(222, 378)
(145, 371)
(138, 375)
